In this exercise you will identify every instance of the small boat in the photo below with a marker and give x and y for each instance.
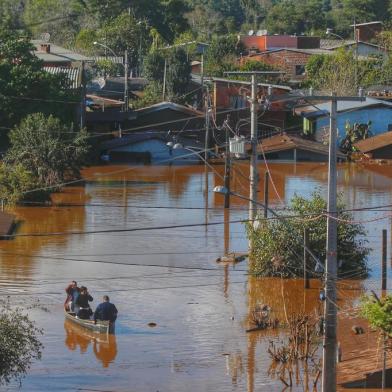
(105, 327)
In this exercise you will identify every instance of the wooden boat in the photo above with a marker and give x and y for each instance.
(100, 327)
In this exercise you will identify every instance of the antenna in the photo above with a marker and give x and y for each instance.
(251, 32)
(45, 37)
(260, 33)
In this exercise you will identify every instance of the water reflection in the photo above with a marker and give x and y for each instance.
(104, 346)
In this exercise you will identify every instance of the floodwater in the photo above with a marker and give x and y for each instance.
(126, 233)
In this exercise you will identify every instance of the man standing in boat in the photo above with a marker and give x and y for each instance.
(72, 291)
(106, 311)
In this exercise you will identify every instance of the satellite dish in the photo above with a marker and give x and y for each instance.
(261, 33)
(101, 82)
(45, 37)
(251, 32)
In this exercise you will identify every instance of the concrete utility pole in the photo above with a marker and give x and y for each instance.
(253, 176)
(164, 80)
(126, 94)
(330, 311)
(227, 164)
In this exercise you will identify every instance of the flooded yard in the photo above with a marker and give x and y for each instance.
(127, 233)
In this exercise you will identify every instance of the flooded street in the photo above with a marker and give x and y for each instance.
(127, 233)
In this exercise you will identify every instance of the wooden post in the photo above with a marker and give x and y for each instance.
(384, 361)
(384, 260)
(306, 258)
(266, 180)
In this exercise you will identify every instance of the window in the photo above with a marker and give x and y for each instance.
(300, 70)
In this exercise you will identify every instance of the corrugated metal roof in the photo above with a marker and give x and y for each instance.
(322, 109)
(374, 143)
(113, 59)
(285, 142)
(73, 75)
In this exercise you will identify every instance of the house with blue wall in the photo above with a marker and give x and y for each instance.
(376, 112)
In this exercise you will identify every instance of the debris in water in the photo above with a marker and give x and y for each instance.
(152, 325)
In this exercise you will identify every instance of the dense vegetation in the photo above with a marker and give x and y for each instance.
(203, 18)
(278, 243)
(19, 343)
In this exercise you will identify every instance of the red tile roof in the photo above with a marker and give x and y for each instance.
(374, 142)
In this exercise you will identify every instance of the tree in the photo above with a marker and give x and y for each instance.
(26, 88)
(378, 312)
(278, 243)
(11, 14)
(178, 73)
(51, 151)
(341, 72)
(19, 343)
(15, 181)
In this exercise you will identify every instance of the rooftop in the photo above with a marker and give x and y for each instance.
(197, 79)
(374, 142)
(330, 44)
(322, 109)
(55, 53)
(171, 106)
(285, 142)
(73, 74)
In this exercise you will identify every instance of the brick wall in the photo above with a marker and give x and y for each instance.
(284, 60)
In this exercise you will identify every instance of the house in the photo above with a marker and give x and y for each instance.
(316, 117)
(364, 49)
(147, 147)
(294, 149)
(365, 32)
(376, 147)
(261, 42)
(55, 56)
(290, 60)
(382, 92)
(168, 116)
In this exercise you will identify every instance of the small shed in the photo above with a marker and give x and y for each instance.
(294, 149)
(377, 147)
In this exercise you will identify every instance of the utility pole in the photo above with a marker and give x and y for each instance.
(331, 267)
(126, 94)
(330, 312)
(356, 56)
(253, 176)
(227, 165)
(164, 80)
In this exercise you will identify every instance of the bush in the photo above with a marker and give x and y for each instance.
(50, 151)
(378, 312)
(19, 343)
(14, 181)
(278, 243)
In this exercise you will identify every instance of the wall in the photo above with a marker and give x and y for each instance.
(368, 32)
(380, 118)
(302, 156)
(284, 60)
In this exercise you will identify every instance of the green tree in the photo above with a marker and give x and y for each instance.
(337, 72)
(278, 243)
(26, 88)
(19, 343)
(51, 151)
(178, 73)
(154, 64)
(10, 14)
(378, 312)
(15, 181)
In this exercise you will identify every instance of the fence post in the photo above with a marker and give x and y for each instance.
(384, 260)
(306, 258)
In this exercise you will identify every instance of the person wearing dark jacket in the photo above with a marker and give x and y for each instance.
(106, 311)
(83, 302)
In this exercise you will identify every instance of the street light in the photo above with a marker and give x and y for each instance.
(125, 65)
(330, 32)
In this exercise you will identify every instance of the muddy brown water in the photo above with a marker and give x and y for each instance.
(167, 276)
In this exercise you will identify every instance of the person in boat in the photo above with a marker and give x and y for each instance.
(106, 311)
(83, 303)
(72, 291)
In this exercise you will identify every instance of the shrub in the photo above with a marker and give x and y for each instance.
(278, 243)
